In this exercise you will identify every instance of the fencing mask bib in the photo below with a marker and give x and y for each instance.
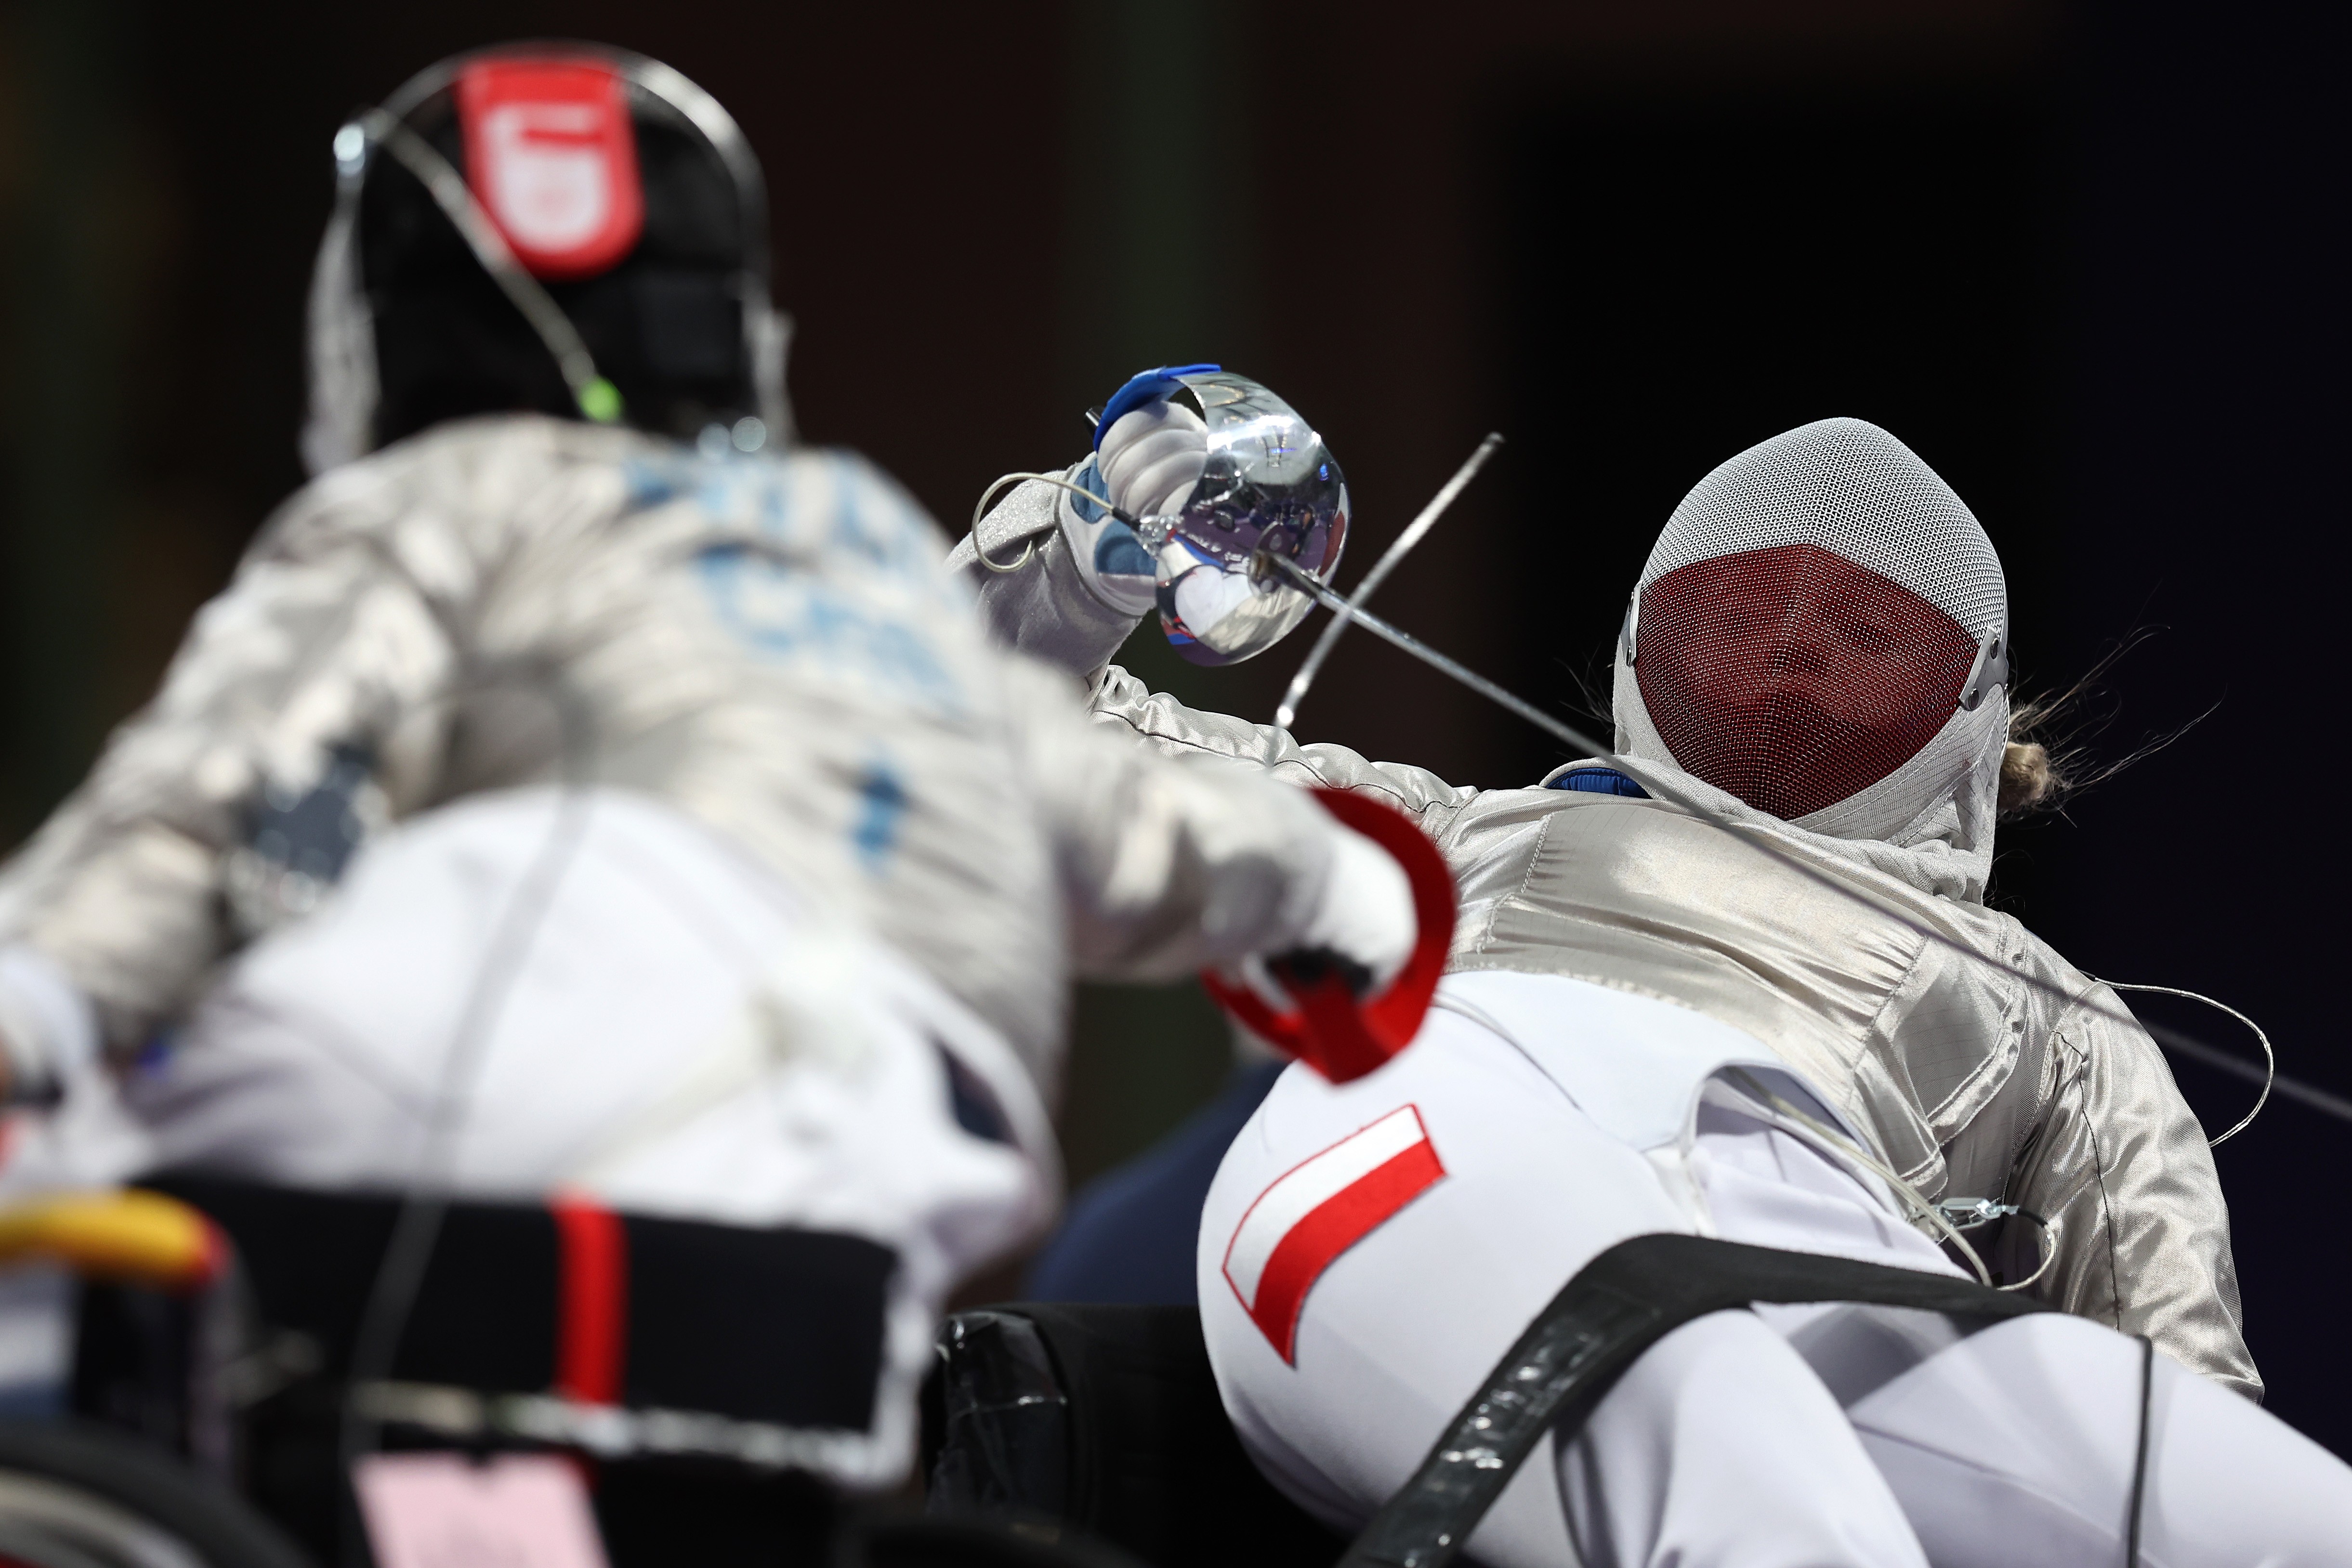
(1822, 633)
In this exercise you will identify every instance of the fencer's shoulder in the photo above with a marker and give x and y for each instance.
(2002, 932)
(2063, 988)
(816, 501)
(456, 448)
(1610, 837)
(491, 472)
(1993, 950)
(462, 467)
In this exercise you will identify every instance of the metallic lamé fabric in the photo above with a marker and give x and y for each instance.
(768, 644)
(1970, 1080)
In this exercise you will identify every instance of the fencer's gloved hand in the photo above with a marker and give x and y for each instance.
(48, 1031)
(1363, 926)
(1149, 453)
(1353, 989)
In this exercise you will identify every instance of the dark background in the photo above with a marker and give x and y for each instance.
(2085, 259)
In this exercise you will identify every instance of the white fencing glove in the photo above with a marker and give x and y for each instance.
(1364, 921)
(1379, 925)
(1149, 453)
(1152, 456)
(48, 1031)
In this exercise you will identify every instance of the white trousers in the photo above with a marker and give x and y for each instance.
(1793, 1438)
(611, 1000)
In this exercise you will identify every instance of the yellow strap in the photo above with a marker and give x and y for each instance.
(144, 1238)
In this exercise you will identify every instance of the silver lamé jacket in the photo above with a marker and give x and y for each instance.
(1968, 1080)
(767, 643)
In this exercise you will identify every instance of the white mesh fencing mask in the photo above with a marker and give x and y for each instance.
(1822, 633)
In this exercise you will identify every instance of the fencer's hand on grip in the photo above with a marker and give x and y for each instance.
(1363, 928)
(48, 1029)
(1152, 456)
(1350, 1006)
(1150, 453)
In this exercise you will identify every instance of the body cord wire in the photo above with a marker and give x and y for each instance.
(426, 1202)
(2270, 1057)
(1057, 480)
(1810, 1129)
(596, 398)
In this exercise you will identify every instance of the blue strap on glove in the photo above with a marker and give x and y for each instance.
(1143, 389)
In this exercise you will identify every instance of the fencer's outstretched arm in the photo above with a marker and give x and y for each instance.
(1050, 610)
(520, 600)
(1167, 869)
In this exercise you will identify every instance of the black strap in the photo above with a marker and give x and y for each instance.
(756, 1323)
(1618, 1306)
(2140, 1462)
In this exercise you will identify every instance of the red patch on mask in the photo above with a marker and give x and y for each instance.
(551, 156)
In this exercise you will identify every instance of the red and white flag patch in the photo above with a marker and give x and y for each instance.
(551, 156)
(1319, 1208)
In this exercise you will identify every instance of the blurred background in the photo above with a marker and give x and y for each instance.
(2082, 258)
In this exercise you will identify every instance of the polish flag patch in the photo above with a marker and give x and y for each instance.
(1319, 1208)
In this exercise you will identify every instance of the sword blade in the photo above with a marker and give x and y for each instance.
(1287, 713)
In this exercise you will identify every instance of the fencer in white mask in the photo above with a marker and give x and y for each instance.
(1649, 1025)
(1819, 638)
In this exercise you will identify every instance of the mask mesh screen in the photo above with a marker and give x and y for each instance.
(1810, 616)
(1791, 677)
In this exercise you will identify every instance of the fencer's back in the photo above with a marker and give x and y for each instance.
(768, 644)
(764, 641)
